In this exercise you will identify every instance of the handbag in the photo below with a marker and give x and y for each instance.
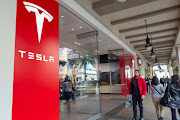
(129, 101)
(166, 100)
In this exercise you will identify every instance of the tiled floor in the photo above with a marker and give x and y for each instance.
(149, 112)
(88, 106)
(112, 107)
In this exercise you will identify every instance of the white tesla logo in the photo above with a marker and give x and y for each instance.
(39, 17)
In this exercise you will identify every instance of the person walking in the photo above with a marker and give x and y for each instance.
(71, 89)
(66, 90)
(137, 87)
(147, 83)
(174, 90)
(157, 91)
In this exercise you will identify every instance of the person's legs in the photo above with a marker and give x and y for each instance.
(161, 111)
(147, 87)
(134, 106)
(173, 111)
(156, 106)
(66, 96)
(69, 96)
(140, 103)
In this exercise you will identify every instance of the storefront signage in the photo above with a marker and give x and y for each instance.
(73, 56)
(36, 63)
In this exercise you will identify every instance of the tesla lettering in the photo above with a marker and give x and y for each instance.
(37, 57)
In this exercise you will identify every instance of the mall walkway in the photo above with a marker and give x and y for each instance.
(121, 113)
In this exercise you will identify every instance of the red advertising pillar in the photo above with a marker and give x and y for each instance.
(122, 75)
(36, 63)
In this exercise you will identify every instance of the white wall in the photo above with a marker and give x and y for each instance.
(7, 44)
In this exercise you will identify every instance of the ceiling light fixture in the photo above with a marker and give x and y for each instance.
(159, 67)
(72, 29)
(109, 46)
(62, 16)
(148, 44)
(99, 40)
(153, 55)
(122, 1)
(156, 61)
(80, 27)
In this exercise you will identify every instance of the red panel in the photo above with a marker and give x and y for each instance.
(122, 75)
(36, 78)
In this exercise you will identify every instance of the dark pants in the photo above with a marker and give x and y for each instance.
(72, 95)
(147, 87)
(140, 103)
(67, 96)
(173, 111)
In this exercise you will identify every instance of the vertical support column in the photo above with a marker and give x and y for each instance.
(122, 74)
(178, 57)
(136, 62)
(170, 68)
(36, 61)
(165, 71)
(7, 43)
(133, 64)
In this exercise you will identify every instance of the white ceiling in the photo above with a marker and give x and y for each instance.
(88, 45)
(131, 13)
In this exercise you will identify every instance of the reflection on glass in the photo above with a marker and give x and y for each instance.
(79, 64)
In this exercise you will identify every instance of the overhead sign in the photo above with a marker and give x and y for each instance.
(36, 63)
(72, 56)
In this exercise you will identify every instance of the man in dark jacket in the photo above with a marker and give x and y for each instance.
(137, 87)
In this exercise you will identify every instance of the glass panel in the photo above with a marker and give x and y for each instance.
(78, 64)
(117, 69)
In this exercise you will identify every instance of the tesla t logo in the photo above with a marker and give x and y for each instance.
(39, 17)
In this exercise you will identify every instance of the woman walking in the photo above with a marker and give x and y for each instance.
(157, 90)
(175, 95)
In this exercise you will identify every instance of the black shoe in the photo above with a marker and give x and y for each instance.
(134, 119)
(141, 119)
(160, 118)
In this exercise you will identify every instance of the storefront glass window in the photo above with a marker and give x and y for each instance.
(79, 64)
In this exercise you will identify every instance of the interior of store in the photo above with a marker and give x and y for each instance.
(94, 63)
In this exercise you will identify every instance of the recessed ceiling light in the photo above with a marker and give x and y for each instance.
(99, 40)
(75, 42)
(109, 46)
(62, 16)
(79, 44)
(80, 27)
(72, 29)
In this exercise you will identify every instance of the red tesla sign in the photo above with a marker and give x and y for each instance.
(36, 63)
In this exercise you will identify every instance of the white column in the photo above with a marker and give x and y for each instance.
(165, 71)
(170, 71)
(170, 68)
(178, 57)
(135, 57)
(7, 45)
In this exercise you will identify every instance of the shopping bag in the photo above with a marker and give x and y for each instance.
(129, 101)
